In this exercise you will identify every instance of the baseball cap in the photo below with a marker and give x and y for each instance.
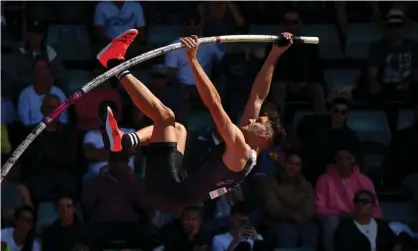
(35, 26)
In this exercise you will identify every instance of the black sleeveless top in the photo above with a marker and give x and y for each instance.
(212, 178)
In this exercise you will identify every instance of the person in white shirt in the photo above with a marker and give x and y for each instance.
(179, 70)
(112, 18)
(240, 230)
(30, 99)
(21, 237)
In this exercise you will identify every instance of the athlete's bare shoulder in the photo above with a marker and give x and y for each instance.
(236, 162)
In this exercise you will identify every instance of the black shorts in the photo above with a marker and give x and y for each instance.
(164, 176)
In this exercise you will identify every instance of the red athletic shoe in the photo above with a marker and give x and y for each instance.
(117, 48)
(112, 136)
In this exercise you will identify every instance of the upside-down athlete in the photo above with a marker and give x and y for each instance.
(168, 184)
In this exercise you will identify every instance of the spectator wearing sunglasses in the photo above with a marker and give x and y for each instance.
(322, 134)
(362, 231)
(393, 63)
(335, 191)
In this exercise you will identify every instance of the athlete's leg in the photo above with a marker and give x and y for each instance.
(165, 129)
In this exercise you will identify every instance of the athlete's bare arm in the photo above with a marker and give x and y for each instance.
(261, 85)
(231, 134)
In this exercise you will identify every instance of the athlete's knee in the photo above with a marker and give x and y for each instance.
(165, 115)
(180, 129)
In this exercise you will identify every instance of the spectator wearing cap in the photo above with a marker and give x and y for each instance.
(112, 18)
(362, 231)
(402, 160)
(93, 146)
(335, 191)
(18, 66)
(392, 72)
(180, 72)
(86, 108)
(322, 134)
(114, 205)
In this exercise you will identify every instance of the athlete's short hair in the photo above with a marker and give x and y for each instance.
(276, 128)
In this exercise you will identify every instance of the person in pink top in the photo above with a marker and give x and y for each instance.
(335, 191)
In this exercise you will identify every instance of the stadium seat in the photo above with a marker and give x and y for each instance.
(410, 31)
(359, 39)
(391, 211)
(341, 77)
(370, 126)
(47, 214)
(72, 42)
(77, 79)
(329, 42)
(372, 163)
(405, 119)
(298, 116)
(163, 34)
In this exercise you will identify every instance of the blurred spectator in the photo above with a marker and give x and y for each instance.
(8, 111)
(22, 236)
(113, 203)
(335, 191)
(67, 230)
(112, 18)
(14, 195)
(240, 68)
(30, 99)
(344, 14)
(179, 70)
(322, 134)
(220, 18)
(299, 72)
(393, 63)
(86, 108)
(50, 161)
(362, 231)
(186, 233)
(159, 81)
(240, 230)
(94, 150)
(6, 147)
(18, 66)
(402, 159)
(290, 207)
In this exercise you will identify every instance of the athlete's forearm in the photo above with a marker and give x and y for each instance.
(204, 85)
(261, 85)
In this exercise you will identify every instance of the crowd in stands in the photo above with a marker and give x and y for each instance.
(344, 179)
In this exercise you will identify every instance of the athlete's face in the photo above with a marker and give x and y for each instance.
(257, 128)
(191, 221)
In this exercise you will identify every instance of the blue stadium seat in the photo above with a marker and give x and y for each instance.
(391, 211)
(329, 42)
(72, 42)
(410, 31)
(341, 77)
(359, 39)
(199, 120)
(164, 34)
(370, 126)
(405, 119)
(298, 116)
(76, 79)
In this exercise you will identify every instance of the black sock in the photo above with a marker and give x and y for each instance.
(115, 62)
(130, 140)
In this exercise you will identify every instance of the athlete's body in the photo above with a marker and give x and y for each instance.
(167, 182)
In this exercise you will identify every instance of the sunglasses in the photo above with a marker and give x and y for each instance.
(341, 111)
(362, 202)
